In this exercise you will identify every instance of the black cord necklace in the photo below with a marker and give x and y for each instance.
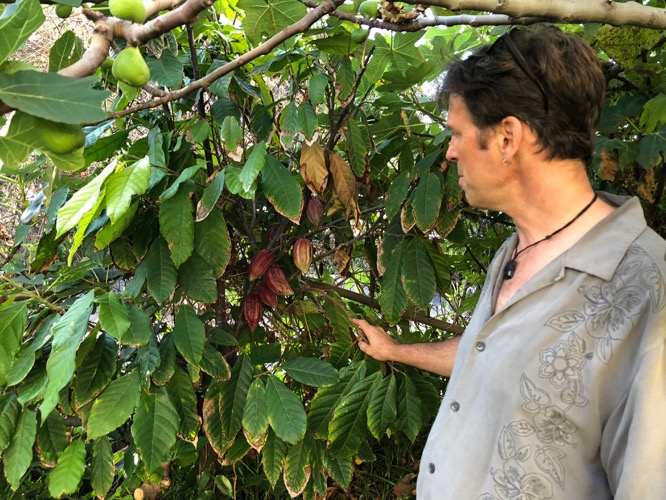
(510, 267)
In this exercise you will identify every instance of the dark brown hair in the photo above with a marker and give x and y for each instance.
(559, 95)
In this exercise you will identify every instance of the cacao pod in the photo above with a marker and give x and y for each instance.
(302, 254)
(261, 261)
(267, 296)
(252, 310)
(314, 211)
(277, 281)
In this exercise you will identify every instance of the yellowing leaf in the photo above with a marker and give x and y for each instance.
(313, 168)
(344, 185)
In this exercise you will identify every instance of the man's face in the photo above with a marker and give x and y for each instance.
(480, 169)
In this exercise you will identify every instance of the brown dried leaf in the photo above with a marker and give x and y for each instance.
(342, 258)
(313, 168)
(344, 186)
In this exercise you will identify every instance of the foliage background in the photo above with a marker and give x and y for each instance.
(127, 365)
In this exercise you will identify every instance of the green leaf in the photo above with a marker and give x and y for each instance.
(307, 120)
(382, 407)
(148, 359)
(177, 225)
(66, 50)
(237, 451)
(650, 149)
(347, 428)
(268, 17)
(282, 189)
(68, 333)
(255, 415)
(341, 469)
(67, 475)
(160, 271)
(155, 426)
(317, 88)
(311, 371)
(113, 316)
(654, 114)
(231, 133)
(214, 421)
(234, 185)
(211, 194)
(184, 176)
(83, 201)
(357, 148)
(286, 414)
(233, 394)
(122, 185)
(139, 332)
(17, 22)
(418, 274)
(400, 53)
(393, 299)
(212, 241)
(168, 361)
(297, 469)
(102, 469)
(10, 409)
(82, 228)
(52, 439)
(214, 364)
(12, 325)
(185, 401)
(156, 154)
(396, 194)
(427, 201)
(272, 457)
(106, 146)
(197, 280)
(409, 409)
(96, 371)
(167, 70)
(53, 97)
(189, 335)
(19, 141)
(18, 455)
(114, 406)
(24, 362)
(253, 166)
(111, 232)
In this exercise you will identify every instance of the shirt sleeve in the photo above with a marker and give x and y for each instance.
(633, 445)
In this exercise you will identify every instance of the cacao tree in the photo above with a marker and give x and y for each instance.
(188, 230)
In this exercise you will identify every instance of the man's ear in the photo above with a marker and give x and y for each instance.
(510, 135)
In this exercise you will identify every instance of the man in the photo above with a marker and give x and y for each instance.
(558, 389)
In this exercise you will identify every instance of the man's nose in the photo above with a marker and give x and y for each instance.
(451, 153)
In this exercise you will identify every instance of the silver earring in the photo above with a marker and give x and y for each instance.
(505, 162)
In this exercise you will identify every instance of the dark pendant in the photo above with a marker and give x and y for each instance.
(509, 269)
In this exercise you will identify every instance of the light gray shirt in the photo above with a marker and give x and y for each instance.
(562, 393)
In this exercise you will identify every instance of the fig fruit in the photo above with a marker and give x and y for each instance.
(129, 10)
(368, 9)
(63, 11)
(359, 35)
(130, 68)
(59, 138)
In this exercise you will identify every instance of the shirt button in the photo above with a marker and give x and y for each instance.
(431, 468)
(480, 346)
(455, 406)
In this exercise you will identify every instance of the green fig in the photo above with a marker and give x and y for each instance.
(130, 10)
(368, 9)
(359, 35)
(130, 68)
(107, 64)
(59, 138)
(63, 11)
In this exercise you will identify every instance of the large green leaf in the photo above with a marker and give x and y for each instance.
(382, 407)
(54, 97)
(214, 421)
(184, 400)
(156, 423)
(148, 359)
(189, 334)
(161, 272)
(113, 315)
(106, 146)
(409, 409)
(167, 361)
(96, 371)
(268, 17)
(211, 194)
(212, 242)
(122, 185)
(297, 469)
(17, 22)
(102, 470)
(10, 408)
(52, 439)
(286, 414)
(214, 364)
(186, 175)
(65, 51)
(82, 228)
(427, 201)
(255, 415)
(139, 332)
(67, 475)
(18, 455)
(393, 299)
(25, 360)
(654, 114)
(111, 232)
(68, 333)
(233, 395)
(418, 274)
(282, 189)
(114, 406)
(84, 200)
(12, 325)
(348, 427)
(19, 140)
(311, 371)
(253, 166)
(167, 70)
(396, 194)
(197, 280)
(357, 148)
(401, 52)
(651, 149)
(340, 468)
(272, 457)
(177, 225)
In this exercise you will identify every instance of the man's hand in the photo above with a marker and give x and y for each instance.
(375, 342)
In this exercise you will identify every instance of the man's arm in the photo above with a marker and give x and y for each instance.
(436, 357)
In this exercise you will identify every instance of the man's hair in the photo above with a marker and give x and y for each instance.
(557, 89)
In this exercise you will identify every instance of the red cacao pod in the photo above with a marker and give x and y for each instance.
(302, 254)
(314, 211)
(252, 310)
(261, 261)
(277, 281)
(267, 296)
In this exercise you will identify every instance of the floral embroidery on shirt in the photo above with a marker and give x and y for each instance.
(563, 366)
(553, 427)
(513, 483)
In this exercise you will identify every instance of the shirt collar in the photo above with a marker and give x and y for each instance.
(602, 249)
